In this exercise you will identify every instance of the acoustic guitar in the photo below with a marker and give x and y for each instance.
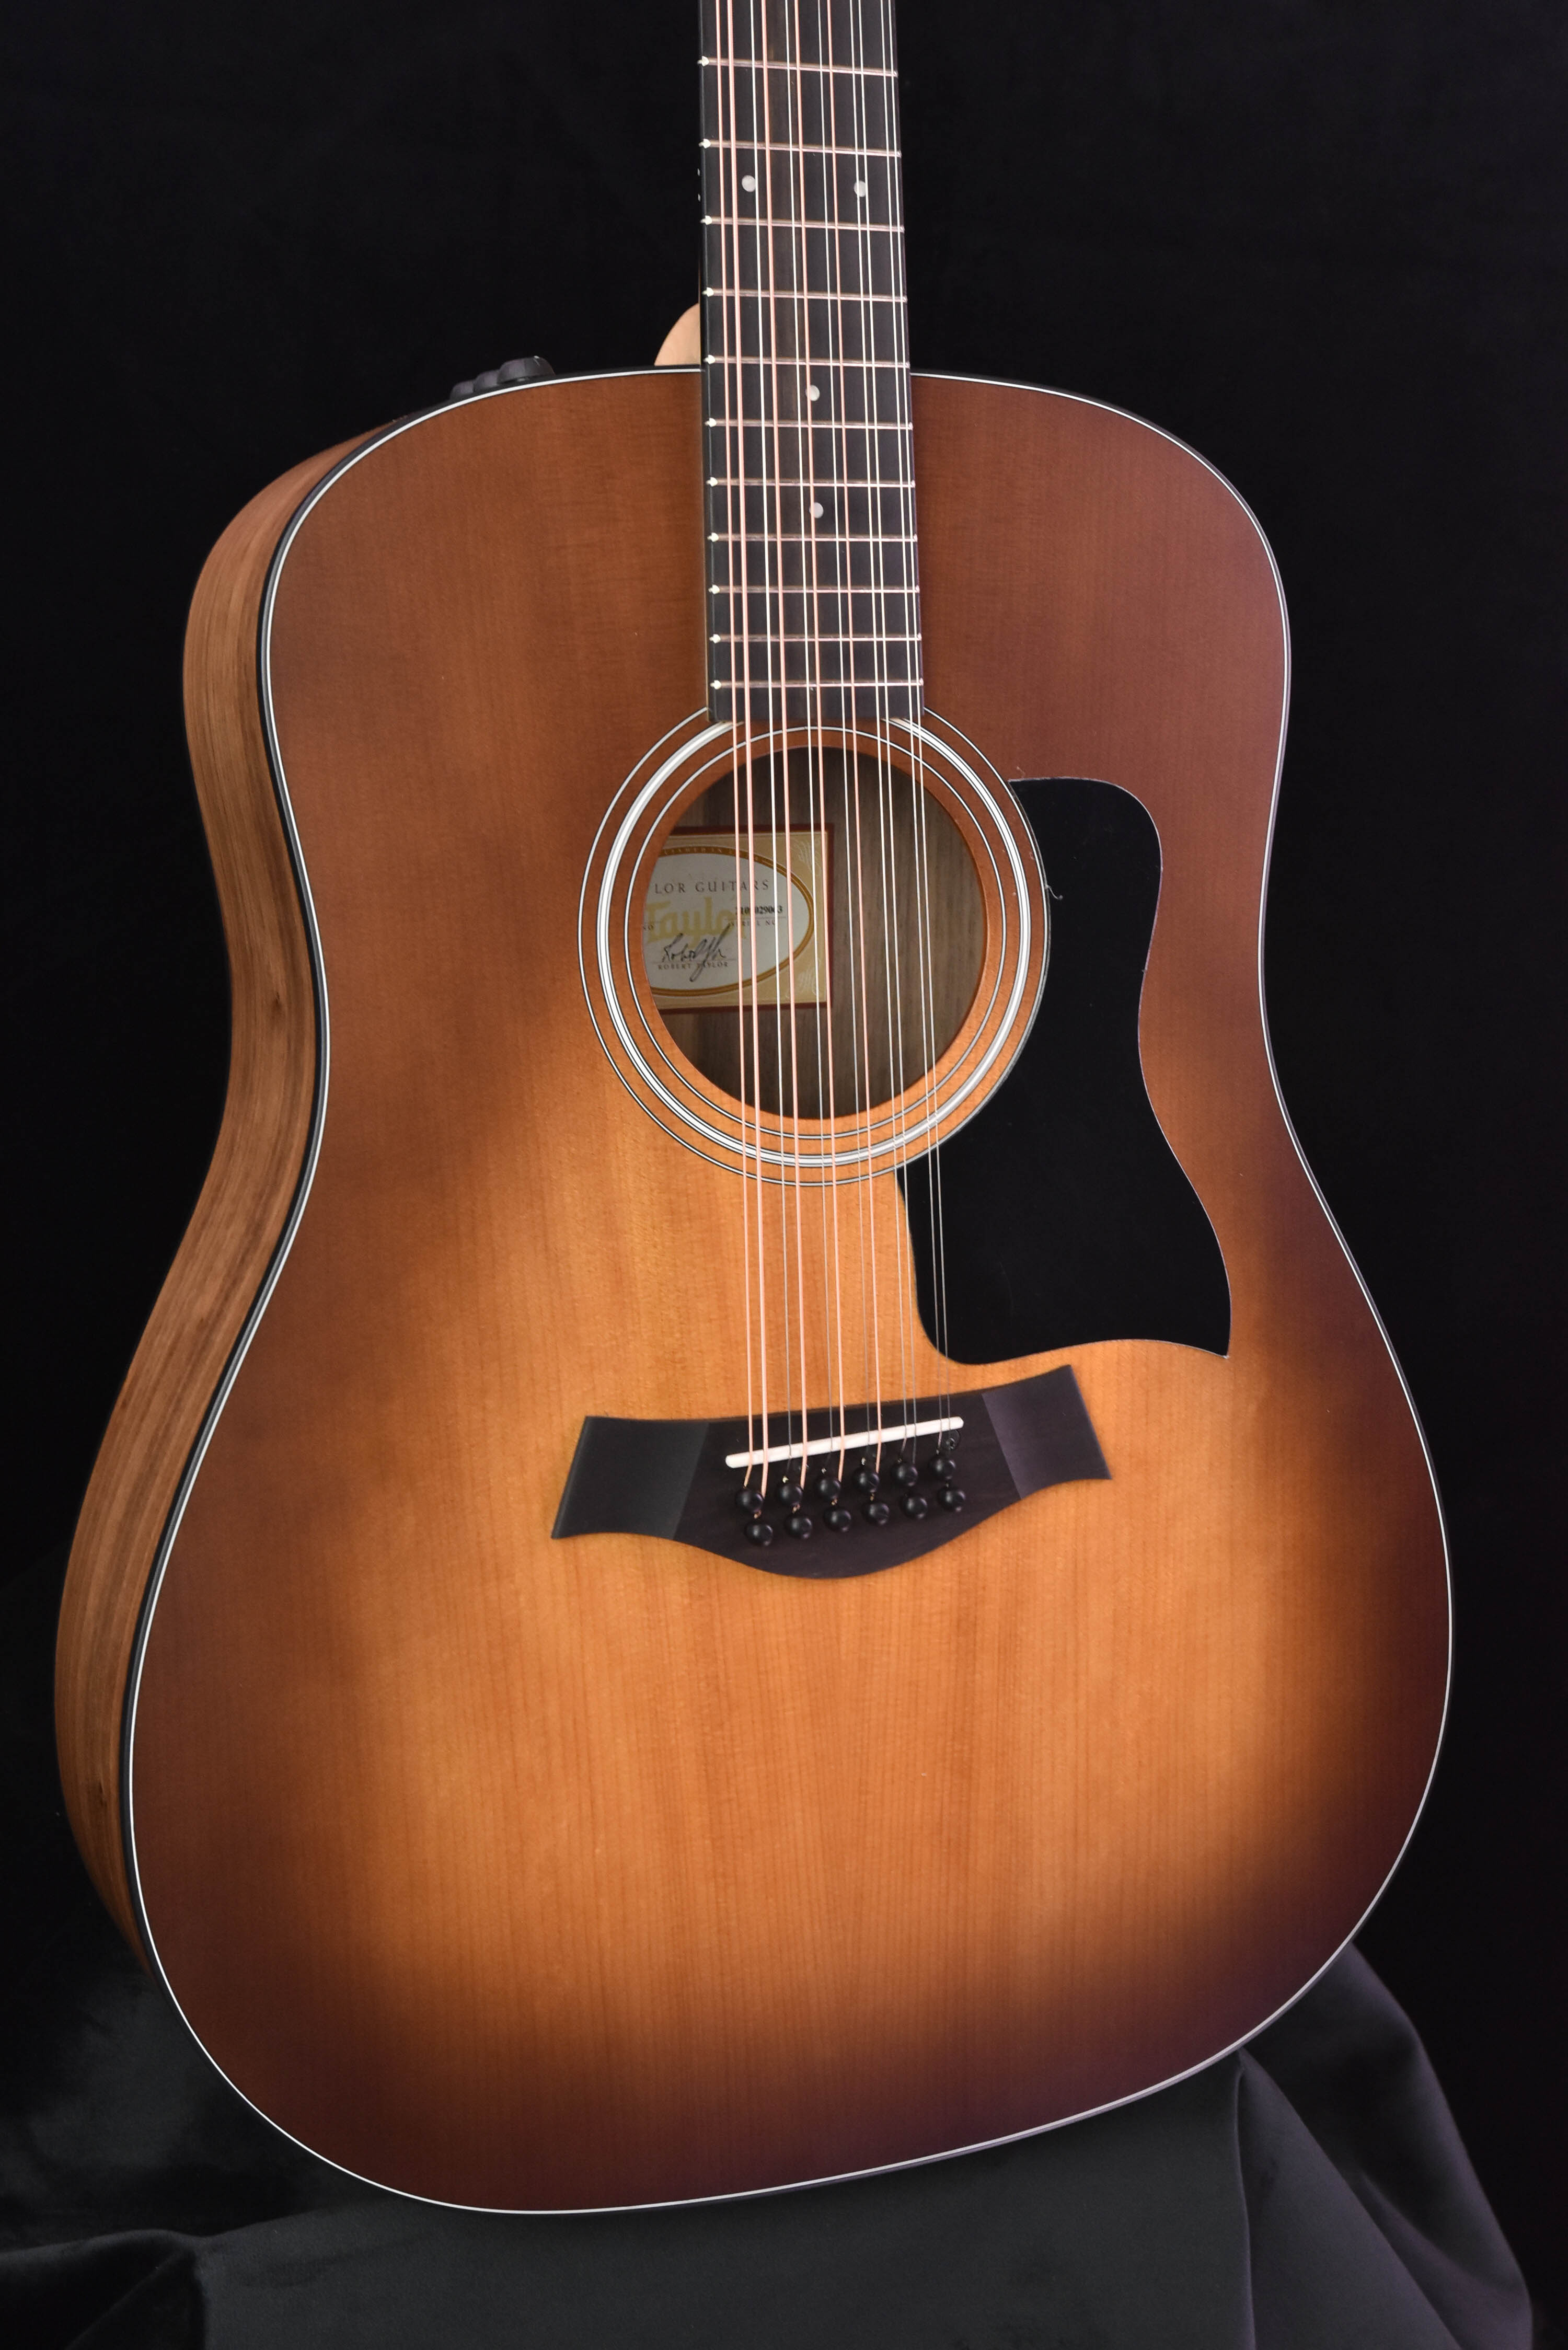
(762, 1530)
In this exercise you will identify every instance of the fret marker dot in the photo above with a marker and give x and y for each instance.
(814, 393)
(860, 187)
(748, 182)
(815, 508)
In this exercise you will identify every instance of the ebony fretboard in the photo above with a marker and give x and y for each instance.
(813, 601)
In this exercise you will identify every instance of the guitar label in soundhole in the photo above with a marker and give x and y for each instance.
(730, 913)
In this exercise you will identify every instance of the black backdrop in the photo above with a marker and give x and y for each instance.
(1324, 242)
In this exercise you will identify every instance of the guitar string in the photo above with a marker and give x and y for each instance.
(866, 1192)
(766, 372)
(919, 887)
(779, 775)
(734, 403)
(908, 607)
(767, 442)
(796, 95)
(920, 803)
(817, 769)
(934, 1155)
(733, 461)
(802, 470)
(881, 693)
(769, 459)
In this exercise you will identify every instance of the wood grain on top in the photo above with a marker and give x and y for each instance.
(553, 1873)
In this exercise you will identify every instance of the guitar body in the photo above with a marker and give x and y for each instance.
(554, 1873)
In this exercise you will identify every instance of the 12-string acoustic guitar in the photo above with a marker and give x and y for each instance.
(761, 1531)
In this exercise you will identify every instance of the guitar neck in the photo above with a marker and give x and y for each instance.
(813, 595)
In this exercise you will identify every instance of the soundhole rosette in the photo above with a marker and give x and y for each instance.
(758, 1140)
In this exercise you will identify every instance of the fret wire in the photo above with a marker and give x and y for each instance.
(908, 673)
(804, 147)
(900, 479)
(820, 541)
(803, 294)
(850, 636)
(904, 639)
(829, 359)
(824, 636)
(782, 221)
(826, 589)
(801, 65)
(799, 481)
(804, 360)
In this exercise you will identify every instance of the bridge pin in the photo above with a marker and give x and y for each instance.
(749, 1502)
(838, 1518)
(951, 1497)
(878, 1513)
(798, 1525)
(759, 1530)
(915, 1505)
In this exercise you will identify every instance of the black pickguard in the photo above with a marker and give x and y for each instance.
(1066, 1217)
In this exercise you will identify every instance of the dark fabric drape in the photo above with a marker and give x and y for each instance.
(1308, 2193)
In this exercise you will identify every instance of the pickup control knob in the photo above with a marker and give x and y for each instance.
(530, 370)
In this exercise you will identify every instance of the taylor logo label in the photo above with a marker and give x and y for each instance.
(704, 908)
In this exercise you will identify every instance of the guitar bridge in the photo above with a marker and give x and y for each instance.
(909, 1476)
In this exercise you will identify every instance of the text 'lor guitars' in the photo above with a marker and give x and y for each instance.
(761, 1531)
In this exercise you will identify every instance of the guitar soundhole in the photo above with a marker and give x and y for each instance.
(878, 905)
(861, 920)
